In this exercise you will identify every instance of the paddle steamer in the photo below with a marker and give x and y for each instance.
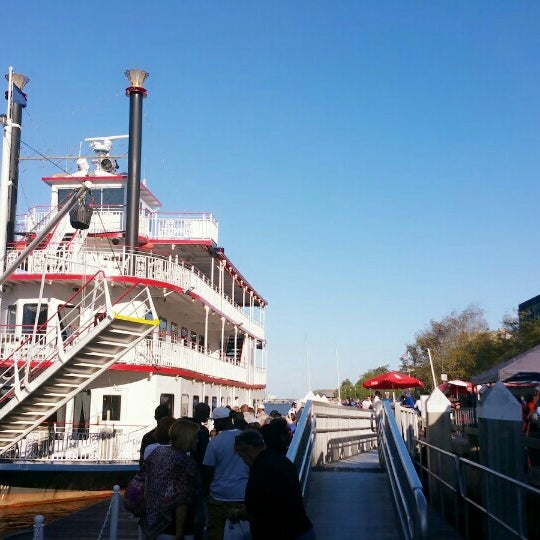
(103, 318)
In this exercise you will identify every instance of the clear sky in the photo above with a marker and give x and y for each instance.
(373, 165)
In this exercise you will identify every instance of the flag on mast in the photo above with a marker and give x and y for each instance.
(18, 96)
(406, 356)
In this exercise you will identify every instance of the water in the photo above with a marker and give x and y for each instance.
(282, 408)
(20, 518)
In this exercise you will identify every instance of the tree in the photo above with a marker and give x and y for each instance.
(360, 390)
(347, 389)
(453, 343)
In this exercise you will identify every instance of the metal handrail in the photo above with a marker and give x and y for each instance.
(407, 491)
(475, 487)
(37, 351)
(301, 447)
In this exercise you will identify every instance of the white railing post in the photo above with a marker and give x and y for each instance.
(39, 524)
(115, 505)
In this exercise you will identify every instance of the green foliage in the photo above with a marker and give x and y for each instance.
(360, 390)
(462, 345)
(347, 389)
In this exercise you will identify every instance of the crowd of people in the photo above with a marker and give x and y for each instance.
(201, 475)
(370, 402)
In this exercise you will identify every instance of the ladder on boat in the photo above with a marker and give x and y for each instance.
(52, 365)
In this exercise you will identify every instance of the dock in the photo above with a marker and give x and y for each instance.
(343, 500)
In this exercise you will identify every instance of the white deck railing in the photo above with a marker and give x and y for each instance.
(93, 443)
(147, 266)
(157, 226)
(181, 354)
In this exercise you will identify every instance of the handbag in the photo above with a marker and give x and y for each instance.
(134, 495)
(236, 531)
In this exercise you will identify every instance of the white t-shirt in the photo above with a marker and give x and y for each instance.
(230, 473)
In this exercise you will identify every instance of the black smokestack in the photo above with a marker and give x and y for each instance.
(136, 94)
(13, 189)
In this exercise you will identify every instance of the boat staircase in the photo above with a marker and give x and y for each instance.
(50, 366)
(58, 234)
(234, 348)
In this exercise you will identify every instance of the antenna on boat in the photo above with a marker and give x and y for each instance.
(136, 93)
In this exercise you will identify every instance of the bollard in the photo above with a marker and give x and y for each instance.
(115, 505)
(39, 521)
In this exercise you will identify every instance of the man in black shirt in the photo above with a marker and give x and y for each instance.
(273, 483)
(149, 438)
(201, 414)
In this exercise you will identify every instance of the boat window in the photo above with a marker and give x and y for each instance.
(57, 422)
(162, 326)
(195, 401)
(29, 318)
(65, 194)
(184, 405)
(111, 408)
(81, 414)
(108, 196)
(174, 332)
(183, 332)
(167, 399)
(11, 317)
(100, 196)
(69, 320)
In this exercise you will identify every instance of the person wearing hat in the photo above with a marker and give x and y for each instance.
(160, 412)
(225, 473)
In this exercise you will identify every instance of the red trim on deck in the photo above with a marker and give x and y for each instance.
(186, 374)
(132, 280)
(173, 372)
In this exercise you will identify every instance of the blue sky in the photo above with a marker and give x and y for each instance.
(373, 165)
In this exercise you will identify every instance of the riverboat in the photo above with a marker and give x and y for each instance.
(108, 309)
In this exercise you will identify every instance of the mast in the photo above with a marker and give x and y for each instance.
(4, 173)
(17, 105)
(136, 94)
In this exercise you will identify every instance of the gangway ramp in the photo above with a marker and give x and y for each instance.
(351, 499)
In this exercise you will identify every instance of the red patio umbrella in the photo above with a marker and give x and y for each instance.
(392, 380)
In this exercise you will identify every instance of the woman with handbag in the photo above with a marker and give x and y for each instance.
(172, 497)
